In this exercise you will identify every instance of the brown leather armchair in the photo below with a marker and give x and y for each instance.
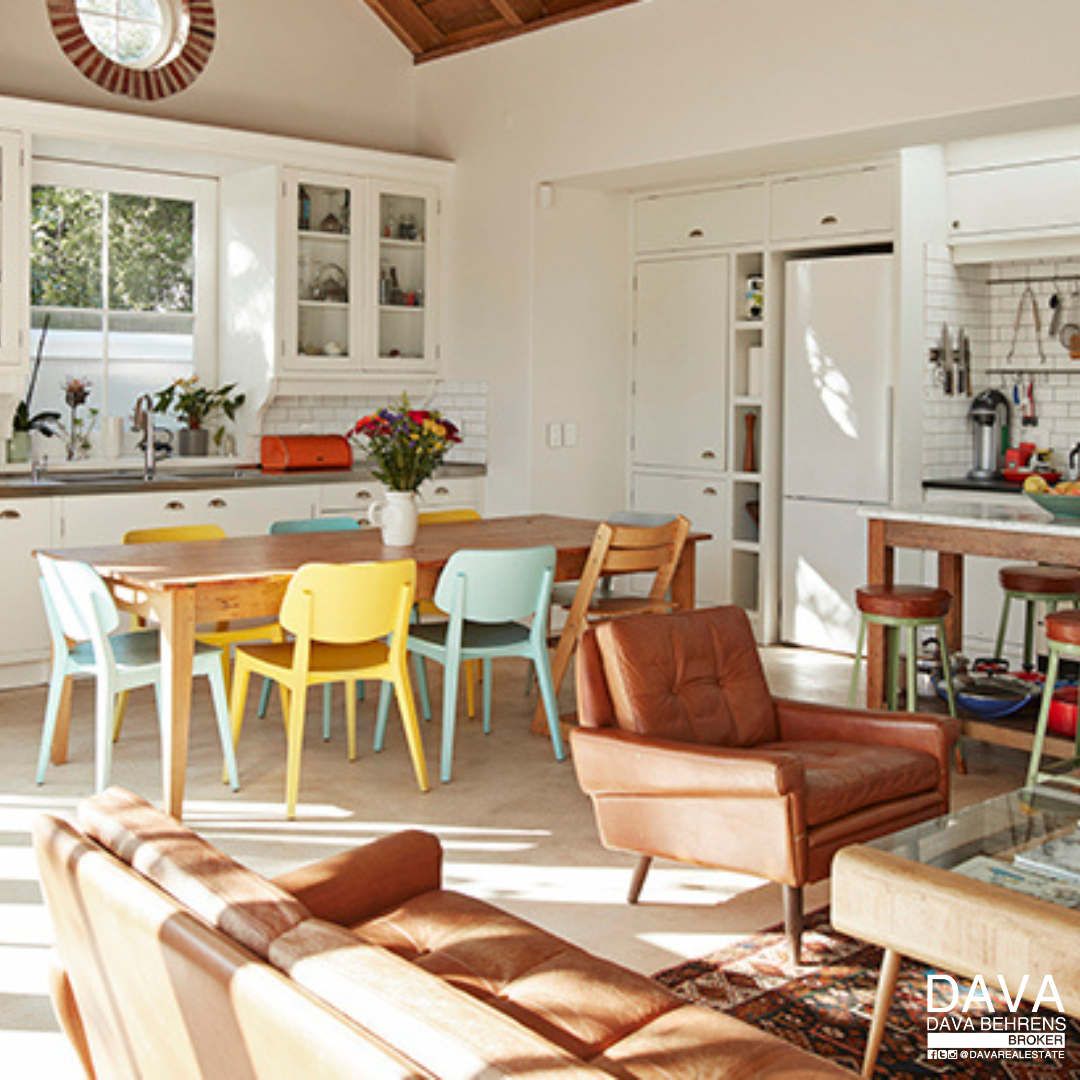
(686, 755)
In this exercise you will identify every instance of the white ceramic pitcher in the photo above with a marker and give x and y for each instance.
(397, 515)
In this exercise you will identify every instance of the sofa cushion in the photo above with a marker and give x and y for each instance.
(843, 777)
(690, 677)
(239, 902)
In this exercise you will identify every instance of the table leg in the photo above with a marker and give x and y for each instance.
(951, 578)
(879, 571)
(175, 609)
(890, 969)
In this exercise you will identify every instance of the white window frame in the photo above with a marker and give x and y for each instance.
(200, 190)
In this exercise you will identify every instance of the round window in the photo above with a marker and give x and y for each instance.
(144, 49)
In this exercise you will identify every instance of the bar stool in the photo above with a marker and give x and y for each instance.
(1053, 585)
(899, 608)
(1063, 639)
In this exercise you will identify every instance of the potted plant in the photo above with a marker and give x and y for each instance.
(24, 423)
(194, 405)
(405, 447)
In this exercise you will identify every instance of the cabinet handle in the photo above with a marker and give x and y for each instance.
(217, 504)
(363, 494)
(708, 455)
(830, 219)
(956, 224)
(174, 505)
(708, 491)
(695, 234)
(10, 515)
(442, 491)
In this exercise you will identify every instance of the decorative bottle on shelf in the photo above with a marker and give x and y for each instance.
(395, 288)
(384, 284)
(305, 209)
(749, 456)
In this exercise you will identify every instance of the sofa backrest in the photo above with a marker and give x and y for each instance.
(691, 676)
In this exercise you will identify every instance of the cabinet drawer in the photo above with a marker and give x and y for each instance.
(349, 500)
(837, 204)
(1044, 195)
(701, 219)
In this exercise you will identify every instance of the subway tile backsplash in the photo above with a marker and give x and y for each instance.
(463, 402)
(984, 301)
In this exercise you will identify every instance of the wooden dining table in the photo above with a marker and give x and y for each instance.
(182, 586)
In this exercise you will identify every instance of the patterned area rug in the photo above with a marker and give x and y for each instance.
(824, 1005)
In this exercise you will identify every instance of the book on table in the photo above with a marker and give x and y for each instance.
(1059, 856)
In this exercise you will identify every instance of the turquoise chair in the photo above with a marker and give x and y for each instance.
(310, 525)
(484, 594)
(82, 618)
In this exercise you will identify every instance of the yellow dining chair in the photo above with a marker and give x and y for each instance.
(429, 607)
(340, 616)
(223, 636)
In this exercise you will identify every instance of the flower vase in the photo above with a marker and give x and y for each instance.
(397, 515)
(18, 447)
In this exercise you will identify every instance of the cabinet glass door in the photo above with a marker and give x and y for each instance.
(404, 329)
(325, 262)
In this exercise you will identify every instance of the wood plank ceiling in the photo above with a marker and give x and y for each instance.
(434, 28)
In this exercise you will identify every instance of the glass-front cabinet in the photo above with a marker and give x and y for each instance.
(359, 258)
(406, 219)
(13, 256)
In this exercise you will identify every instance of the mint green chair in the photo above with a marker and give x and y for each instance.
(82, 618)
(310, 525)
(484, 594)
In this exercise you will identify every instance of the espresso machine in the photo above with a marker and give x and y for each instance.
(989, 416)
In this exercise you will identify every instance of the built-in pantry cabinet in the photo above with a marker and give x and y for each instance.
(700, 219)
(848, 204)
(14, 302)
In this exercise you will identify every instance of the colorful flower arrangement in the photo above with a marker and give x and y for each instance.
(405, 445)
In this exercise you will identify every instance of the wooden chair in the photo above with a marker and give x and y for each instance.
(349, 621)
(619, 549)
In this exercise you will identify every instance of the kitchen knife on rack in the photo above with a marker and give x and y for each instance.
(945, 352)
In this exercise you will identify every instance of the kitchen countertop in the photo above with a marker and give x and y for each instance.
(998, 486)
(126, 477)
(1025, 517)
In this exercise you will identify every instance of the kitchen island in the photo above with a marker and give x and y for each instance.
(1022, 533)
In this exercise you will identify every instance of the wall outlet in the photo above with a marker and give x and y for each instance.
(554, 436)
(569, 433)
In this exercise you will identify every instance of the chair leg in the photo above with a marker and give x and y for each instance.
(793, 921)
(327, 708)
(912, 661)
(264, 697)
(488, 680)
(121, 712)
(422, 685)
(549, 701)
(241, 680)
(638, 880)
(350, 717)
(450, 693)
(470, 688)
(103, 721)
(221, 714)
(297, 709)
(382, 716)
(1044, 716)
(407, 708)
(52, 711)
(1003, 626)
(853, 692)
(893, 634)
(1029, 635)
(950, 694)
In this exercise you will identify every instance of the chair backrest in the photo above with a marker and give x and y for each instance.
(350, 603)
(497, 586)
(320, 524)
(641, 518)
(448, 517)
(174, 534)
(77, 599)
(689, 676)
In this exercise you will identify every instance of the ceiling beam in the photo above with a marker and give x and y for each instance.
(410, 24)
(507, 10)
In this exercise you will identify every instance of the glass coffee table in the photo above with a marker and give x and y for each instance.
(970, 893)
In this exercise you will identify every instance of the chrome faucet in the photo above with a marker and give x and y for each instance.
(38, 466)
(144, 420)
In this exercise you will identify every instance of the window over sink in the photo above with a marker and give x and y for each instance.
(122, 282)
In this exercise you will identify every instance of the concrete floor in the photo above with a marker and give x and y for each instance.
(515, 827)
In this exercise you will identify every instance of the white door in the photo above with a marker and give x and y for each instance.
(680, 363)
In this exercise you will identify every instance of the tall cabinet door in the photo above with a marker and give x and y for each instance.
(680, 363)
(14, 231)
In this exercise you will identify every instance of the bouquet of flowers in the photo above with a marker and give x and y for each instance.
(405, 445)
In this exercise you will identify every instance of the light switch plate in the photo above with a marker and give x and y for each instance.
(554, 436)
(569, 433)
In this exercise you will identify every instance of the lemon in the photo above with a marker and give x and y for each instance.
(1036, 484)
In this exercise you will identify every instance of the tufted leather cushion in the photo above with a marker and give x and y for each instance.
(691, 677)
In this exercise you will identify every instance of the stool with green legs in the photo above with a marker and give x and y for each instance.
(1063, 640)
(1051, 585)
(903, 608)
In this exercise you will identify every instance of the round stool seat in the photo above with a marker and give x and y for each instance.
(1063, 627)
(903, 601)
(1041, 580)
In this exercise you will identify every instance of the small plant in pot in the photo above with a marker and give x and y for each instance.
(198, 408)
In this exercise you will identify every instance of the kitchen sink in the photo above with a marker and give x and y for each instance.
(125, 476)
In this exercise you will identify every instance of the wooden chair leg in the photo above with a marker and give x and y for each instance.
(638, 880)
(793, 921)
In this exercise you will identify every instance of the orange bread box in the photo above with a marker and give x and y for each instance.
(287, 453)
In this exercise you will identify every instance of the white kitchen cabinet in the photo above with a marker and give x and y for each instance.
(354, 499)
(853, 202)
(704, 501)
(1033, 197)
(726, 216)
(25, 527)
(14, 258)
(680, 363)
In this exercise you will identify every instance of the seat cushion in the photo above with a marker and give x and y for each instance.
(689, 676)
(1041, 580)
(903, 601)
(842, 778)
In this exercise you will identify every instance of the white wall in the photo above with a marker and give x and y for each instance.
(320, 69)
(683, 79)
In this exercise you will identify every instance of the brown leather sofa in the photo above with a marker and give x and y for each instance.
(175, 961)
(686, 755)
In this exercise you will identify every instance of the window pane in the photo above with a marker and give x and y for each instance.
(151, 254)
(135, 41)
(145, 10)
(101, 30)
(65, 259)
(108, 7)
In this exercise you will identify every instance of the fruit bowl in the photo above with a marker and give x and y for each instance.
(1064, 506)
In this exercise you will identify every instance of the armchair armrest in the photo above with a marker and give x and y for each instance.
(609, 761)
(358, 884)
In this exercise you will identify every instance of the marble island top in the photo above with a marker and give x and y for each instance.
(1024, 517)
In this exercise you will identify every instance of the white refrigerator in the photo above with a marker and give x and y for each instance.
(838, 360)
